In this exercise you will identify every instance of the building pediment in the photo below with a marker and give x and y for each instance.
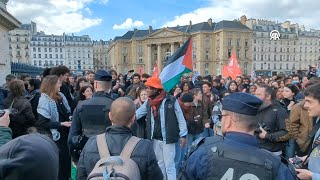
(165, 32)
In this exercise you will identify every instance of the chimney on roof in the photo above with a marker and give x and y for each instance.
(150, 29)
(210, 22)
(135, 30)
(190, 24)
(297, 28)
(243, 19)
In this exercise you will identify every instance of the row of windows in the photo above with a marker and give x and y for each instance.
(46, 49)
(47, 63)
(281, 57)
(286, 42)
(281, 42)
(246, 42)
(79, 50)
(275, 66)
(285, 49)
(79, 62)
(206, 65)
(46, 44)
(19, 54)
(46, 56)
(18, 39)
(19, 46)
(47, 39)
(76, 67)
(77, 39)
(285, 36)
(207, 55)
(79, 55)
(60, 39)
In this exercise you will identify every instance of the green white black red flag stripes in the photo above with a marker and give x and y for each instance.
(177, 65)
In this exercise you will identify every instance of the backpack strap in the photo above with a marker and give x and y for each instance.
(129, 147)
(103, 146)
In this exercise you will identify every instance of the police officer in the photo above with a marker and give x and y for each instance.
(236, 154)
(91, 116)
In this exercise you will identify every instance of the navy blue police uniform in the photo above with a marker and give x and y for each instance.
(236, 155)
(91, 117)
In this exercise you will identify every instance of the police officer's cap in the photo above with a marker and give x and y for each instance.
(242, 103)
(102, 75)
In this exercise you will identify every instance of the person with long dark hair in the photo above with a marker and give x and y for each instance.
(54, 111)
(233, 87)
(79, 83)
(86, 92)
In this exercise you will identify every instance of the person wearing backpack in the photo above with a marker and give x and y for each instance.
(118, 145)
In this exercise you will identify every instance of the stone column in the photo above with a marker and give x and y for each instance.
(172, 48)
(149, 62)
(159, 58)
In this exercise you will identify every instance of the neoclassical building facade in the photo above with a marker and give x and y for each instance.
(212, 46)
(7, 23)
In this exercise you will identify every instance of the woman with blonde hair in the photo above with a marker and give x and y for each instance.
(54, 111)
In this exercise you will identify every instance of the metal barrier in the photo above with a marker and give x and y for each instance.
(19, 68)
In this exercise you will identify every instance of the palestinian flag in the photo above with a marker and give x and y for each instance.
(177, 65)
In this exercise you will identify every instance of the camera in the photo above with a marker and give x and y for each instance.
(297, 163)
(12, 112)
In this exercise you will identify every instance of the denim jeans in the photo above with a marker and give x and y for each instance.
(191, 138)
(207, 132)
(180, 155)
(182, 152)
(165, 154)
(290, 148)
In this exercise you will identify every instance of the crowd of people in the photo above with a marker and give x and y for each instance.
(207, 127)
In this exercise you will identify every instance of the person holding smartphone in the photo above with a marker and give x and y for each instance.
(312, 104)
(5, 131)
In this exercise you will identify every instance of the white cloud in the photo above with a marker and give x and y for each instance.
(88, 10)
(55, 16)
(128, 24)
(303, 12)
(104, 1)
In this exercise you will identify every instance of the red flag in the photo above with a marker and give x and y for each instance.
(140, 70)
(155, 71)
(225, 72)
(232, 68)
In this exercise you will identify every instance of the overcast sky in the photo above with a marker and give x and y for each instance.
(105, 19)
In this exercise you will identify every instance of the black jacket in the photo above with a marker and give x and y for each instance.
(117, 137)
(29, 157)
(171, 121)
(34, 100)
(65, 90)
(24, 119)
(273, 117)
